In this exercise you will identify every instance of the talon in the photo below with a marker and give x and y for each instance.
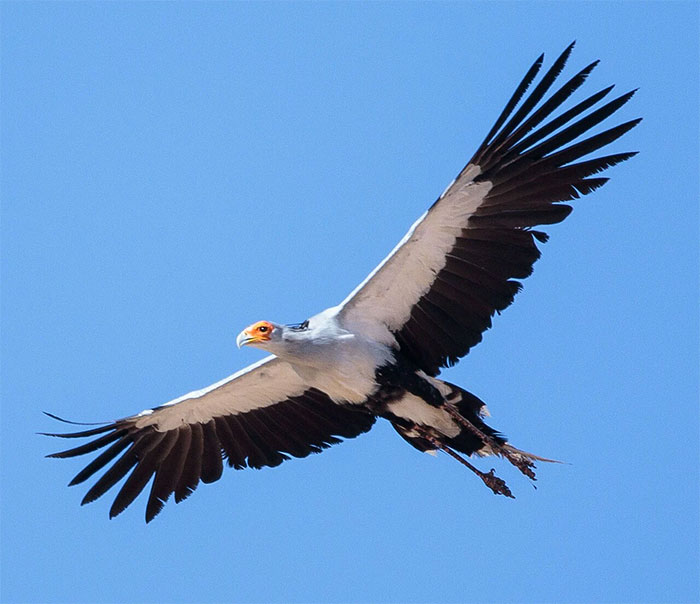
(496, 484)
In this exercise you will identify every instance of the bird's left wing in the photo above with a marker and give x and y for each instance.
(256, 417)
(435, 294)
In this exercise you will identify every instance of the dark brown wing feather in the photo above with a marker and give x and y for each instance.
(531, 170)
(178, 459)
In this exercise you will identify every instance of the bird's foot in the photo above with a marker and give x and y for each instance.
(496, 484)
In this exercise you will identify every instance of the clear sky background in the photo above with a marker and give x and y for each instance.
(172, 172)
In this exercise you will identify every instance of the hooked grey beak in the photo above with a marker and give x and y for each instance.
(242, 339)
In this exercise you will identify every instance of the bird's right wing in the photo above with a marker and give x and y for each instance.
(256, 417)
(435, 294)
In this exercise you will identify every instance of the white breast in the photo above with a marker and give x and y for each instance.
(334, 360)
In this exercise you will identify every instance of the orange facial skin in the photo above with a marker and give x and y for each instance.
(259, 332)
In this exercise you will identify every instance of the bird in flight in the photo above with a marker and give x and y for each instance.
(378, 353)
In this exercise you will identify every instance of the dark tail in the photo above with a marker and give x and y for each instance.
(475, 437)
(472, 409)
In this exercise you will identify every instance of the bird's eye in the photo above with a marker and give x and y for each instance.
(262, 328)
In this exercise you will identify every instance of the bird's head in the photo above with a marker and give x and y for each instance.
(260, 335)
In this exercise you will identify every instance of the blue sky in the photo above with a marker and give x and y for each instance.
(172, 172)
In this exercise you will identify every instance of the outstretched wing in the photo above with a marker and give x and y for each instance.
(256, 417)
(438, 289)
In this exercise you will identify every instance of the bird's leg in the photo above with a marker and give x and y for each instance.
(493, 482)
(523, 462)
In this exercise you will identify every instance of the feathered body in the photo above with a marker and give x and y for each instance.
(358, 371)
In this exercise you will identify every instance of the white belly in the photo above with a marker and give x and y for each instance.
(417, 410)
(344, 368)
